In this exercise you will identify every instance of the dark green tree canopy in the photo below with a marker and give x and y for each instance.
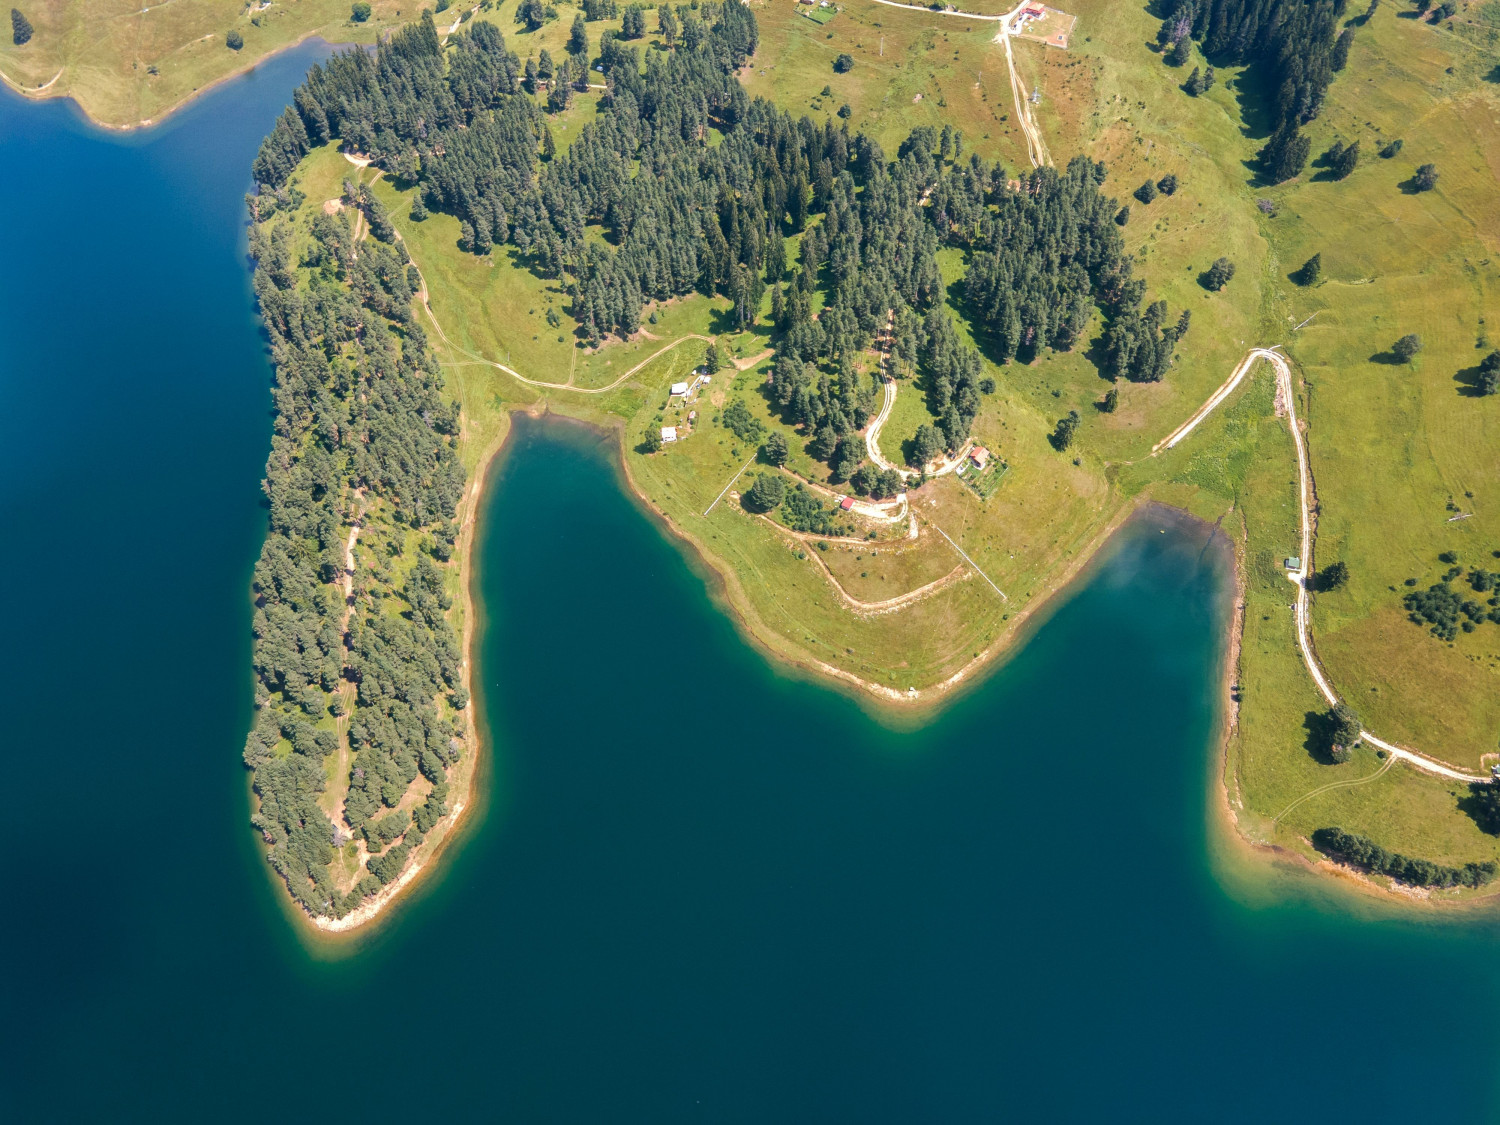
(1407, 347)
(767, 493)
(1218, 274)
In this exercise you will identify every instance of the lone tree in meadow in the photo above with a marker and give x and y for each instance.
(234, 40)
(1199, 83)
(1391, 149)
(1334, 577)
(711, 360)
(1122, 216)
(1342, 159)
(1489, 374)
(360, 12)
(1343, 732)
(578, 37)
(1111, 400)
(1167, 184)
(20, 28)
(1426, 178)
(1406, 347)
(843, 64)
(1311, 270)
(1146, 192)
(1217, 275)
(651, 443)
(1062, 437)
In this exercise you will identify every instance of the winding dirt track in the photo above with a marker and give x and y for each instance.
(1036, 148)
(1302, 577)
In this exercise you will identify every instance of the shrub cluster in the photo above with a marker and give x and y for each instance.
(1359, 851)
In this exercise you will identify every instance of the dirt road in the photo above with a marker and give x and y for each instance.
(1301, 578)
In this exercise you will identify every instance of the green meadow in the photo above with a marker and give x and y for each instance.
(129, 62)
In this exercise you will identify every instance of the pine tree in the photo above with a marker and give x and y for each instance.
(20, 28)
(1181, 51)
(1344, 162)
(1311, 270)
(1062, 436)
(1194, 84)
(1285, 154)
(578, 37)
(1339, 58)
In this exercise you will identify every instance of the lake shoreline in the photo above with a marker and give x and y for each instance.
(462, 788)
(899, 710)
(47, 94)
(1228, 805)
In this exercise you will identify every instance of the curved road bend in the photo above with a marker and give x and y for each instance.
(1301, 577)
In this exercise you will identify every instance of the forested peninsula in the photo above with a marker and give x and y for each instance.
(929, 266)
(365, 434)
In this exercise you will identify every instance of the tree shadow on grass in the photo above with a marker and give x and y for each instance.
(1095, 354)
(1319, 727)
(1473, 806)
(1388, 359)
(721, 322)
(1258, 121)
(1470, 382)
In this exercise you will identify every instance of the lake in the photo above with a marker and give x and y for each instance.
(694, 887)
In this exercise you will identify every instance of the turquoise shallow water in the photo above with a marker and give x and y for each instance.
(697, 889)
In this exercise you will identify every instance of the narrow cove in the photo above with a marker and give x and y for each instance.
(693, 887)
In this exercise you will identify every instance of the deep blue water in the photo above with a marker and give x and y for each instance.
(698, 889)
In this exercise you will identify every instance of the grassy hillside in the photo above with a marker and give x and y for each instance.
(129, 63)
(1398, 449)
